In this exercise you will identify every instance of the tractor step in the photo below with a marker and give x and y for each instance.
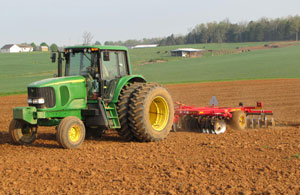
(112, 115)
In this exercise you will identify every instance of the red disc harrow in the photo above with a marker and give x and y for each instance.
(213, 119)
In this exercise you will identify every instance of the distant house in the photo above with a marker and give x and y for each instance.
(187, 52)
(144, 46)
(25, 47)
(16, 48)
(44, 48)
(10, 48)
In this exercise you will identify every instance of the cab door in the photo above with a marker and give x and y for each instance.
(113, 66)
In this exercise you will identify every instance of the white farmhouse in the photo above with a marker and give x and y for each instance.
(25, 47)
(10, 48)
(16, 48)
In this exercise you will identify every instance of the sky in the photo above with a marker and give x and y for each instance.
(64, 21)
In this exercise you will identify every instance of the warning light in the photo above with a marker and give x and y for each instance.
(95, 49)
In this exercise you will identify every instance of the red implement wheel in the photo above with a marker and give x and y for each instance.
(238, 120)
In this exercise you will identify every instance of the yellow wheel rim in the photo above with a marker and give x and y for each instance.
(159, 113)
(74, 133)
(242, 120)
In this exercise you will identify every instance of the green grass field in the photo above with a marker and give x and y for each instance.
(139, 56)
(259, 64)
(18, 70)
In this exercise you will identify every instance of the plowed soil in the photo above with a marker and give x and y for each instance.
(252, 161)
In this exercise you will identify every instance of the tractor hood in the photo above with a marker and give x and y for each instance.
(57, 81)
(55, 94)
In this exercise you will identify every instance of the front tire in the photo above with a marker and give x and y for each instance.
(70, 132)
(151, 113)
(22, 132)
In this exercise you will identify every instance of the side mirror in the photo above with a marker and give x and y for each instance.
(53, 57)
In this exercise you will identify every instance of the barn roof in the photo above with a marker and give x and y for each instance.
(25, 45)
(144, 46)
(7, 46)
(187, 49)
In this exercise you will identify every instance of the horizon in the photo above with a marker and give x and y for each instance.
(65, 24)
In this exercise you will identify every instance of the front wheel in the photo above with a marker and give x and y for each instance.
(22, 132)
(70, 132)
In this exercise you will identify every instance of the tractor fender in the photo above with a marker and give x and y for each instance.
(124, 81)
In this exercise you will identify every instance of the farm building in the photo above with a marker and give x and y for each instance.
(25, 47)
(187, 52)
(16, 48)
(44, 48)
(144, 46)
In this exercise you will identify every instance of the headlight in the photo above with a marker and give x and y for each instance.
(38, 101)
(29, 101)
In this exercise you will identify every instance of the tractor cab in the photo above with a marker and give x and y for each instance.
(102, 69)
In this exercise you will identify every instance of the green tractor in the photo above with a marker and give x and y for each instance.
(96, 93)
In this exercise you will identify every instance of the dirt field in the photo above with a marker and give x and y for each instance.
(253, 161)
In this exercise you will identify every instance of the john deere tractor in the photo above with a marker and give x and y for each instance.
(95, 92)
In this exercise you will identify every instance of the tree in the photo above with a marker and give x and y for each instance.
(296, 25)
(87, 38)
(170, 40)
(44, 44)
(97, 43)
(33, 45)
(54, 47)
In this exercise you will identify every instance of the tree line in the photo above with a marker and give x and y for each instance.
(52, 47)
(133, 42)
(264, 29)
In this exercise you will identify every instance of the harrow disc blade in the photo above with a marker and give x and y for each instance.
(219, 127)
(270, 122)
(273, 122)
(266, 122)
(184, 125)
(253, 122)
(174, 127)
(248, 124)
(259, 121)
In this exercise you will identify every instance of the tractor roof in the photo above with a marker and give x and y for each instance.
(104, 47)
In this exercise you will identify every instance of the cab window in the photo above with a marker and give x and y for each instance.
(109, 65)
(122, 63)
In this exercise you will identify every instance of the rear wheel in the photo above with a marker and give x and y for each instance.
(151, 113)
(238, 120)
(22, 132)
(70, 132)
(123, 108)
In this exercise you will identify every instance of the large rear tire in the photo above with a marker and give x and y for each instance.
(22, 132)
(123, 108)
(70, 132)
(238, 120)
(151, 113)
